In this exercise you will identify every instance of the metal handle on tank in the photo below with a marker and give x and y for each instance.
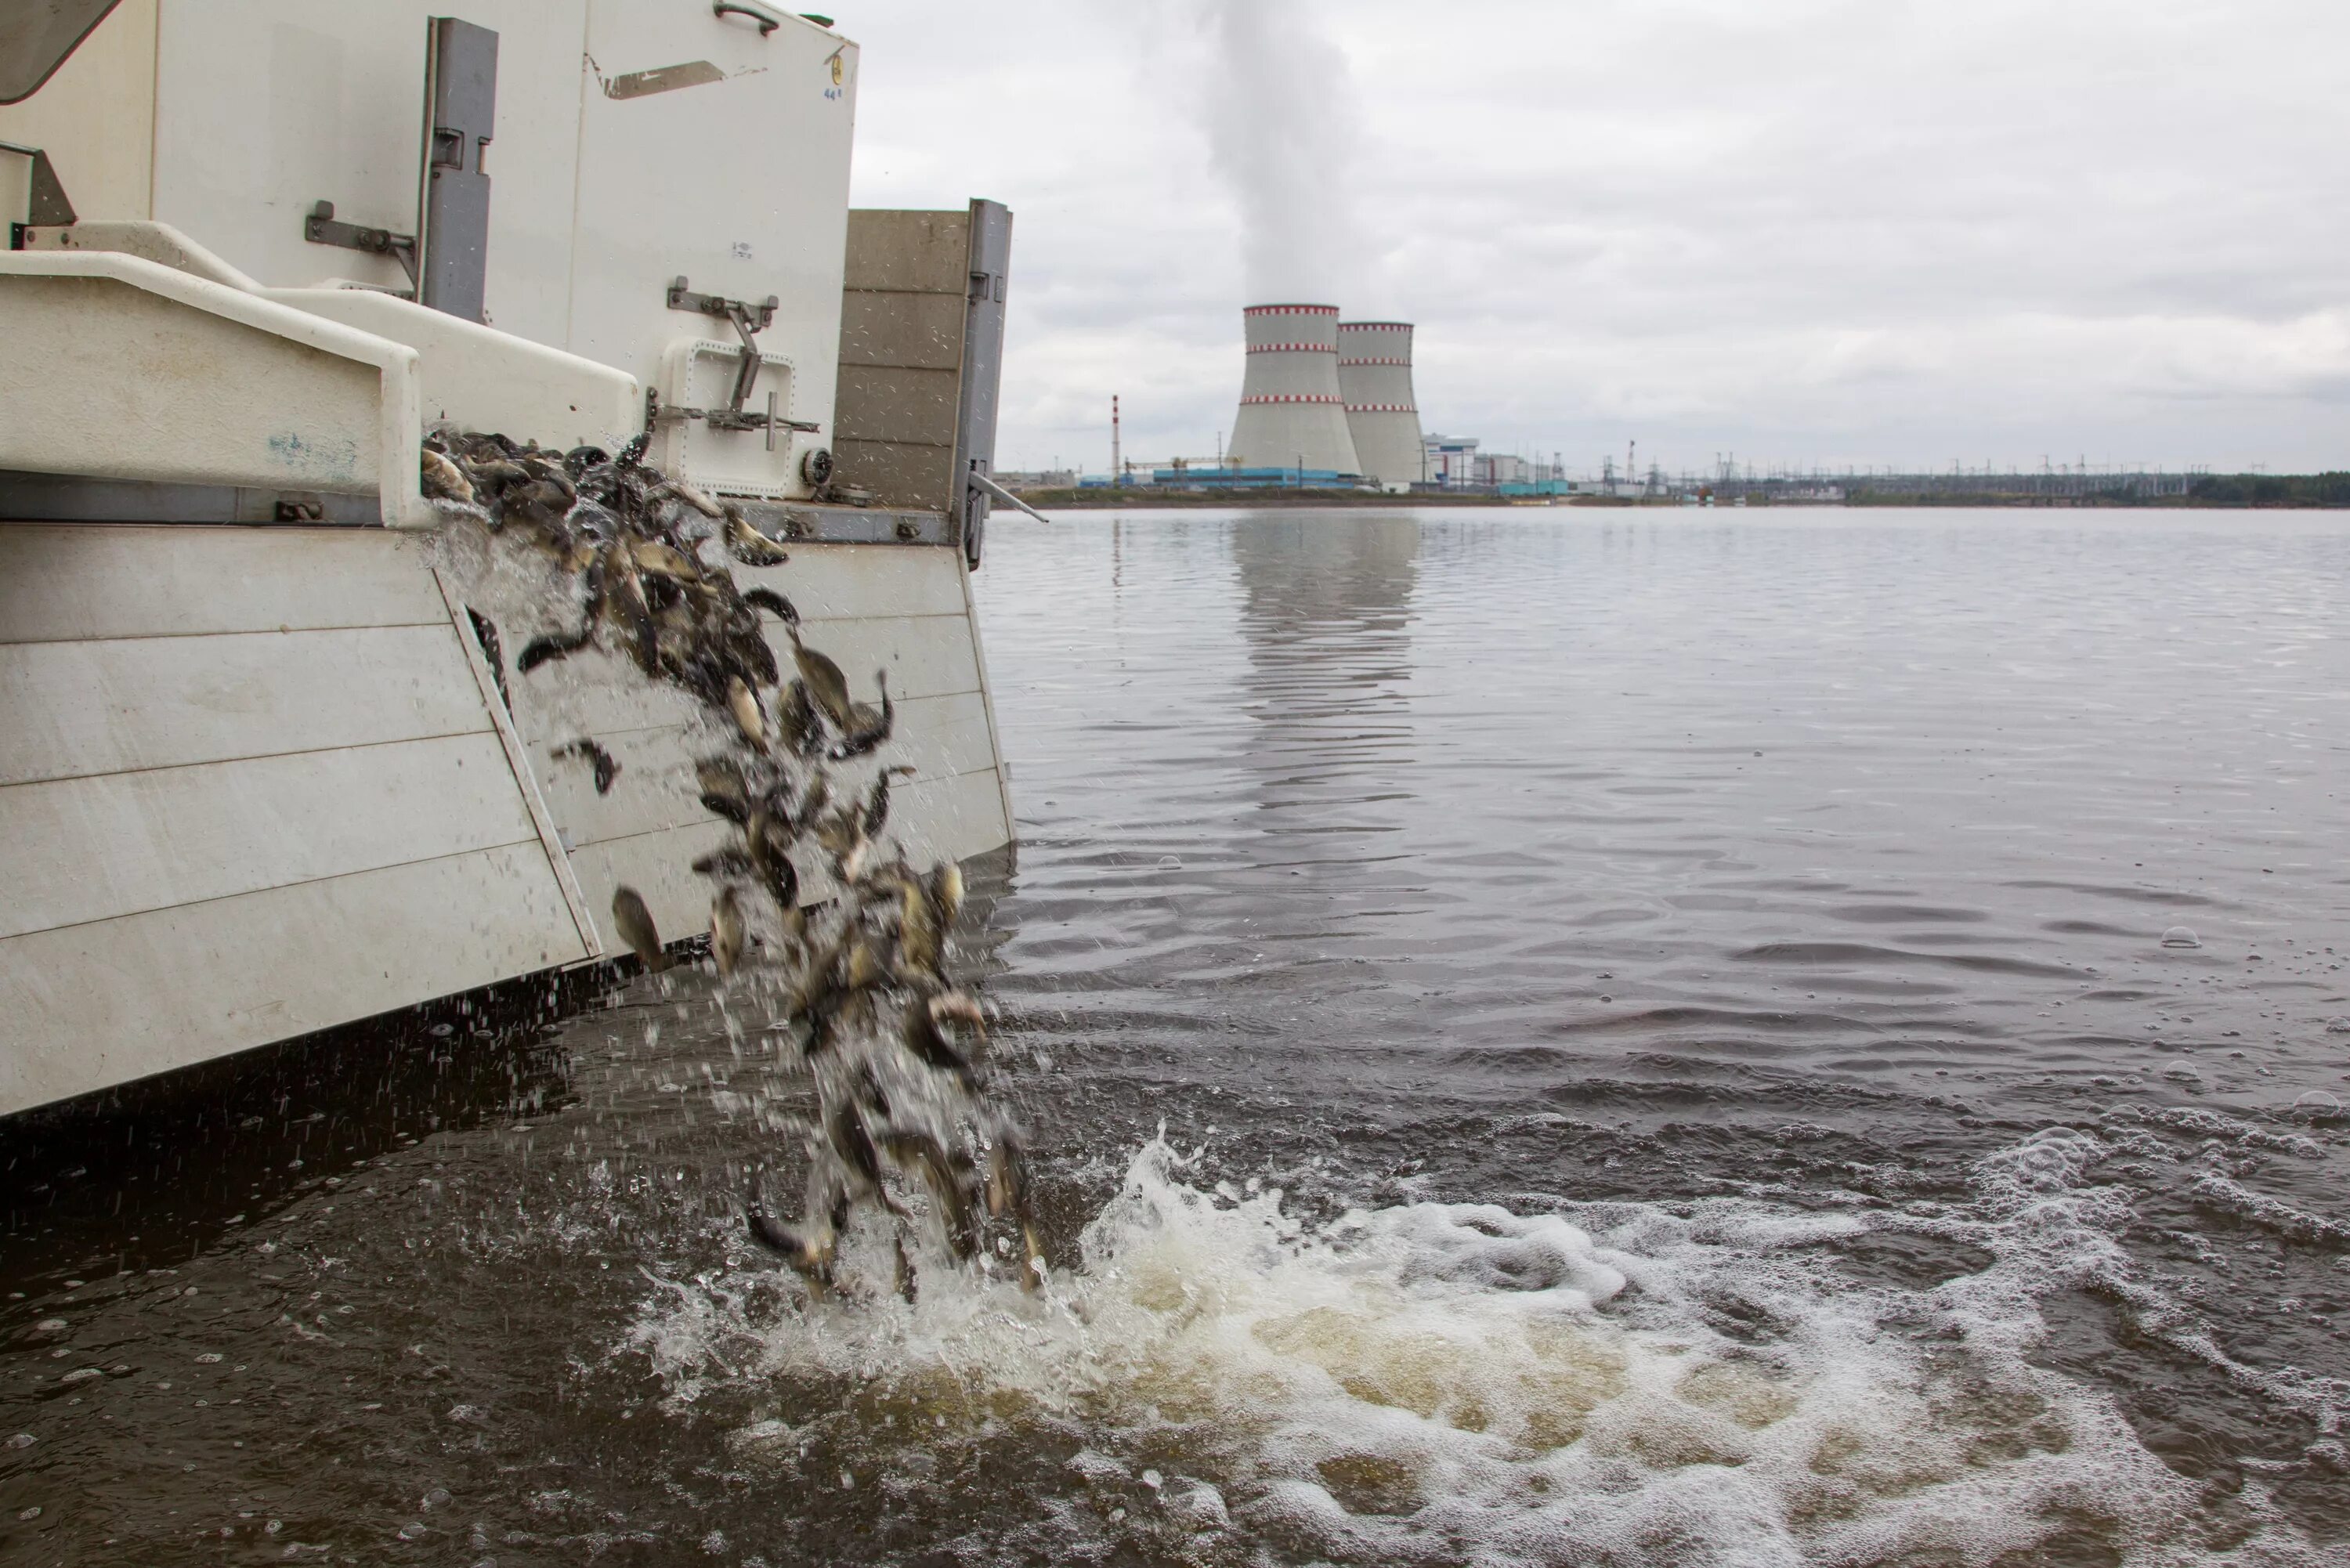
(768, 20)
(981, 482)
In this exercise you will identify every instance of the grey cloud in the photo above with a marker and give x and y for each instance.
(1874, 231)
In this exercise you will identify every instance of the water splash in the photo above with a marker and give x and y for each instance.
(1696, 1382)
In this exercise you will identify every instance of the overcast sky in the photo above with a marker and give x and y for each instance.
(1837, 232)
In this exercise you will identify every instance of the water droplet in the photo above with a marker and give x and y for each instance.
(1169, 863)
(2180, 937)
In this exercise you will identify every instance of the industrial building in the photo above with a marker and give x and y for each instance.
(1449, 461)
(1292, 413)
(1375, 377)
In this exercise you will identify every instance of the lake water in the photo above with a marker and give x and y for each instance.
(1575, 1036)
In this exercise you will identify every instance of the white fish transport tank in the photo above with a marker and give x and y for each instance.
(267, 764)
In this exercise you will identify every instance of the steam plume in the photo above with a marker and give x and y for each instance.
(1283, 127)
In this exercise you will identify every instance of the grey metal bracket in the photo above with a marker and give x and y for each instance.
(680, 297)
(725, 419)
(748, 320)
(990, 263)
(461, 106)
(321, 227)
(50, 207)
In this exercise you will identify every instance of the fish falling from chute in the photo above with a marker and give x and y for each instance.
(863, 1001)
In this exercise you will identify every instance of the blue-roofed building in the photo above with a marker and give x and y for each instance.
(1254, 479)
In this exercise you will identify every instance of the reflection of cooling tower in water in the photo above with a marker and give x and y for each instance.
(1375, 377)
(1291, 414)
(1332, 595)
(1328, 765)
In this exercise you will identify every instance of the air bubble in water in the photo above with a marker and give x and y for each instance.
(1169, 863)
(2183, 1069)
(2317, 1106)
(2338, 1025)
(2180, 937)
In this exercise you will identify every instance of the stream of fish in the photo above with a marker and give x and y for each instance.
(1540, 1036)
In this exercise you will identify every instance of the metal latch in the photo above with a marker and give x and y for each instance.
(321, 227)
(749, 320)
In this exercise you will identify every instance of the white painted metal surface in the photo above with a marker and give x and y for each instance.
(116, 368)
(255, 780)
(613, 170)
(477, 377)
(248, 789)
(740, 184)
(466, 374)
(870, 607)
(263, 107)
(97, 117)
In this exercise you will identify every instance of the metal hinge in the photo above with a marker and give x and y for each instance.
(321, 227)
(748, 320)
(48, 207)
(725, 419)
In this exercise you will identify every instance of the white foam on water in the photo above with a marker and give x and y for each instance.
(1696, 1384)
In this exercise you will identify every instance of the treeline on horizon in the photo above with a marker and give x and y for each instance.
(2331, 489)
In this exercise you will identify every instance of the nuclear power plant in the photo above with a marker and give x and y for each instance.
(1324, 404)
(1328, 400)
(1292, 413)
(1375, 377)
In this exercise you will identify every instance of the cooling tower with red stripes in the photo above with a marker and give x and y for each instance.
(1291, 414)
(1375, 377)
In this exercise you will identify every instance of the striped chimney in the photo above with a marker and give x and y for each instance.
(1375, 377)
(1292, 413)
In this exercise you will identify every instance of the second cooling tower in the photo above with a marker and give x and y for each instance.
(1375, 379)
(1292, 413)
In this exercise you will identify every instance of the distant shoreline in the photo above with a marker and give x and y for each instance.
(1145, 498)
